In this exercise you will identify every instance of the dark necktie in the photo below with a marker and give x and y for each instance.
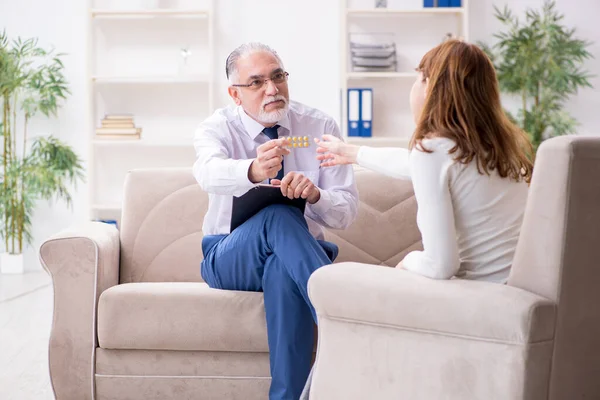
(272, 134)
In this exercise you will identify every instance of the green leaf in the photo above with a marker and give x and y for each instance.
(34, 77)
(542, 62)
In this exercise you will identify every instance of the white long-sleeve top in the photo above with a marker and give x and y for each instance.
(469, 222)
(226, 144)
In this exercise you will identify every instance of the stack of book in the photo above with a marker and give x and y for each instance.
(372, 53)
(118, 127)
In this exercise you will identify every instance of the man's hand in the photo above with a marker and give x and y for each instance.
(295, 185)
(267, 163)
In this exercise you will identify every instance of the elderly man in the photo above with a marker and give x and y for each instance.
(277, 249)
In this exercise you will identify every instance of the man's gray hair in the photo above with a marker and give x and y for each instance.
(231, 69)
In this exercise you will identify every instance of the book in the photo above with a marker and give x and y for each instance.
(366, 112)
(118, 131)
(117, 124)
(353, 112)
(109, 221)
(127, 117)
(247, 205)
(128, 136)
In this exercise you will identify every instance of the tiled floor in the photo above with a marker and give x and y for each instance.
(25, 320)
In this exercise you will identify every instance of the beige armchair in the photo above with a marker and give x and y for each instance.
(132, 319)
(389, 334)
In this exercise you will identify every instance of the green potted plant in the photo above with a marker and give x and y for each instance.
(540, 61)
(31, 168)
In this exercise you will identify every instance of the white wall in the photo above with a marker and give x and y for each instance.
(305, 33)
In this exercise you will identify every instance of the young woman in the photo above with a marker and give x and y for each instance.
(469, 164)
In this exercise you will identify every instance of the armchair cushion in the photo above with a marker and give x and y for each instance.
(181, 316)
(399, 299)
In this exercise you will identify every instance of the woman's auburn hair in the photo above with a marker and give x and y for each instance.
(462, 103)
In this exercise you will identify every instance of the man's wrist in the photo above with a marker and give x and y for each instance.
(315, 197)
(252, 174)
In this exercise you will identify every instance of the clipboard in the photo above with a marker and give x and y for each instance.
(247, 205)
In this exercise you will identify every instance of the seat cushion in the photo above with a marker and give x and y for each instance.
(181, 316)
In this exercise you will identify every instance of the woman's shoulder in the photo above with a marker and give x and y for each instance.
(431, 159)
(440, 144)
(432, 150)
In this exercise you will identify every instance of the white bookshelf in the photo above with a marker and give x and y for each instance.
(388, 12)
(144, 13)
(141, 143)
(415, 30)
(107, 208)
(151, 79)
(135, 67)
(380, 75)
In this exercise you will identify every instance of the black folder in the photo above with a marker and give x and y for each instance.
(257, 198)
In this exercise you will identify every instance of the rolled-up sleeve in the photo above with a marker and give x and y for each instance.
(390, 161)
(214, 170)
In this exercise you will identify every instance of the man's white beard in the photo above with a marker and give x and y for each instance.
(270, 117)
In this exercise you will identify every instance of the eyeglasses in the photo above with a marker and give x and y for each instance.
(257, 83)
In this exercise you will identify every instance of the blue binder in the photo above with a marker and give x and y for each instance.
(353, 112)
(427, 3)
(109, 221)
(444, 3)
(455, 3)
(366, 112)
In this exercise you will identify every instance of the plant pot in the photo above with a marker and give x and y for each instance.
(11, 263)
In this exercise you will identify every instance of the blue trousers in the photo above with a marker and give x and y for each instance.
(275, 253)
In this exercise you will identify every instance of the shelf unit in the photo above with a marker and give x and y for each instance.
(380, 75)
(141, 13)
(416, 30)
(141, 143)
(390, 12)
(151, 79)
(135, 67)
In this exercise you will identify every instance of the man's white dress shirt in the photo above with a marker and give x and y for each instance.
(226, 144)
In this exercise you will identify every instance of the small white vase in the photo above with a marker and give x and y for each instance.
(11, 263)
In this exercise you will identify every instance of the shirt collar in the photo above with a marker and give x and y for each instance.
(254, 128)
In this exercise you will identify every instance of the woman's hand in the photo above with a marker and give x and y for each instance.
(333, 151)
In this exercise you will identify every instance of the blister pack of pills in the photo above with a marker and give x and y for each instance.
(298, 141)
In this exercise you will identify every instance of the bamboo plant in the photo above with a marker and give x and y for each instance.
(33, 168)
(540, 61)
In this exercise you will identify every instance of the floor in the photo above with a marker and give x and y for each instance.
(25, 320)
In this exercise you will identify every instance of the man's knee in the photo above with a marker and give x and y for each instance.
(276, 279)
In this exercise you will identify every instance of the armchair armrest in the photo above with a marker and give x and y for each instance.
(83, 262)
(399, 299)
(386, 334)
